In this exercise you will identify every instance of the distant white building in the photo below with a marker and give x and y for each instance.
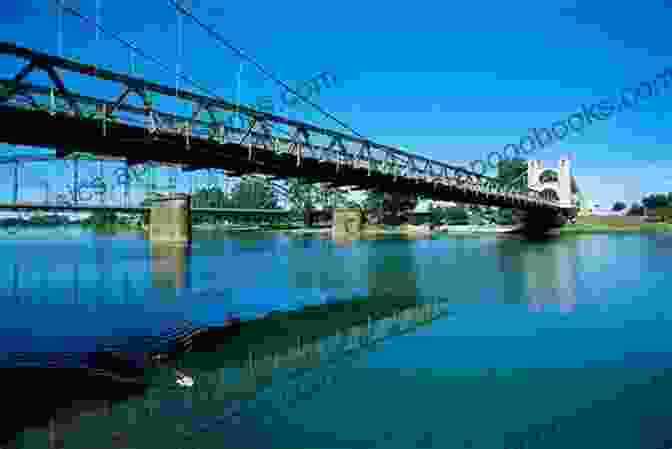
(608, 212)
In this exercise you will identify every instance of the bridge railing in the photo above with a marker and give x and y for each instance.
(300, 140)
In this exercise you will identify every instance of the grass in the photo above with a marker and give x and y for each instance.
(586, 228)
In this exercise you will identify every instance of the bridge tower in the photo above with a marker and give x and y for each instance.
(534, 169)
(553, 183)
(564, 183)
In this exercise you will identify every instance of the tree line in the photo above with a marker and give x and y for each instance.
(510, 172)
(259, 193)
(653, 202)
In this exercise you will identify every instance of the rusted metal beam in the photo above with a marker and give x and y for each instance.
(44, 60)
(300, 155)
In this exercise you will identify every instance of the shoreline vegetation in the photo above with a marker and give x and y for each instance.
(569, 229)
(584, 225)
(588, 228)
(605, 224)
(200, 227)
(408, 229)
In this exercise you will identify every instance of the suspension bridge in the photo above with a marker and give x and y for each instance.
(112, 127)
(134, 126)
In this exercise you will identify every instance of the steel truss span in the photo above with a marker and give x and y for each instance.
(70, 122)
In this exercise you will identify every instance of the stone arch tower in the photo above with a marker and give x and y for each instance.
(555, 182)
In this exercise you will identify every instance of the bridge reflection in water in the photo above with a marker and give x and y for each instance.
(549, 273)
(555, 284)
(236, 379)
(270, 363)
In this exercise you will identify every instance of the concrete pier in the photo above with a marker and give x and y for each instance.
(347, 221)
(170, 218)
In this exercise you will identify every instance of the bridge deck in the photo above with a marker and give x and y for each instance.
(64, 131)
(144, 133)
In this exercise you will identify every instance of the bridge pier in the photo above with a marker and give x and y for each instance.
(346, 221)
(170, 218)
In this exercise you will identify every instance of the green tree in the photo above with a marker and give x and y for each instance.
(101, 218)
(379, 207)
(456, 215)
(331, 197)
(300, 195)
(449, 215)
(212, 197)
(636, 209)
(147, 201)
(505, 217)
(656, 200)
(373, 200)
(254, 193)
(619, 206)
(373, 206)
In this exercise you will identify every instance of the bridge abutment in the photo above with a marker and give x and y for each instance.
(170, 218)
(540, 222)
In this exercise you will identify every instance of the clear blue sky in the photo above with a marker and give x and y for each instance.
(452, 81)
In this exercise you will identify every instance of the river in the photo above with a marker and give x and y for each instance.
(454, 341)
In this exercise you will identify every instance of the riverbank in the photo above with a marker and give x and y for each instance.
(585, 228)
(570, 229)
(474, 229)
(407, 229)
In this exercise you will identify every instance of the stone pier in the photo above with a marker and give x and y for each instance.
(170, 218)
(346, 221)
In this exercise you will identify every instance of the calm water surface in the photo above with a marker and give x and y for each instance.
(475, 342)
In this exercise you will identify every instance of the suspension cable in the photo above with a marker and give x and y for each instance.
(270, 75)
(137, 50)
(140, 52)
